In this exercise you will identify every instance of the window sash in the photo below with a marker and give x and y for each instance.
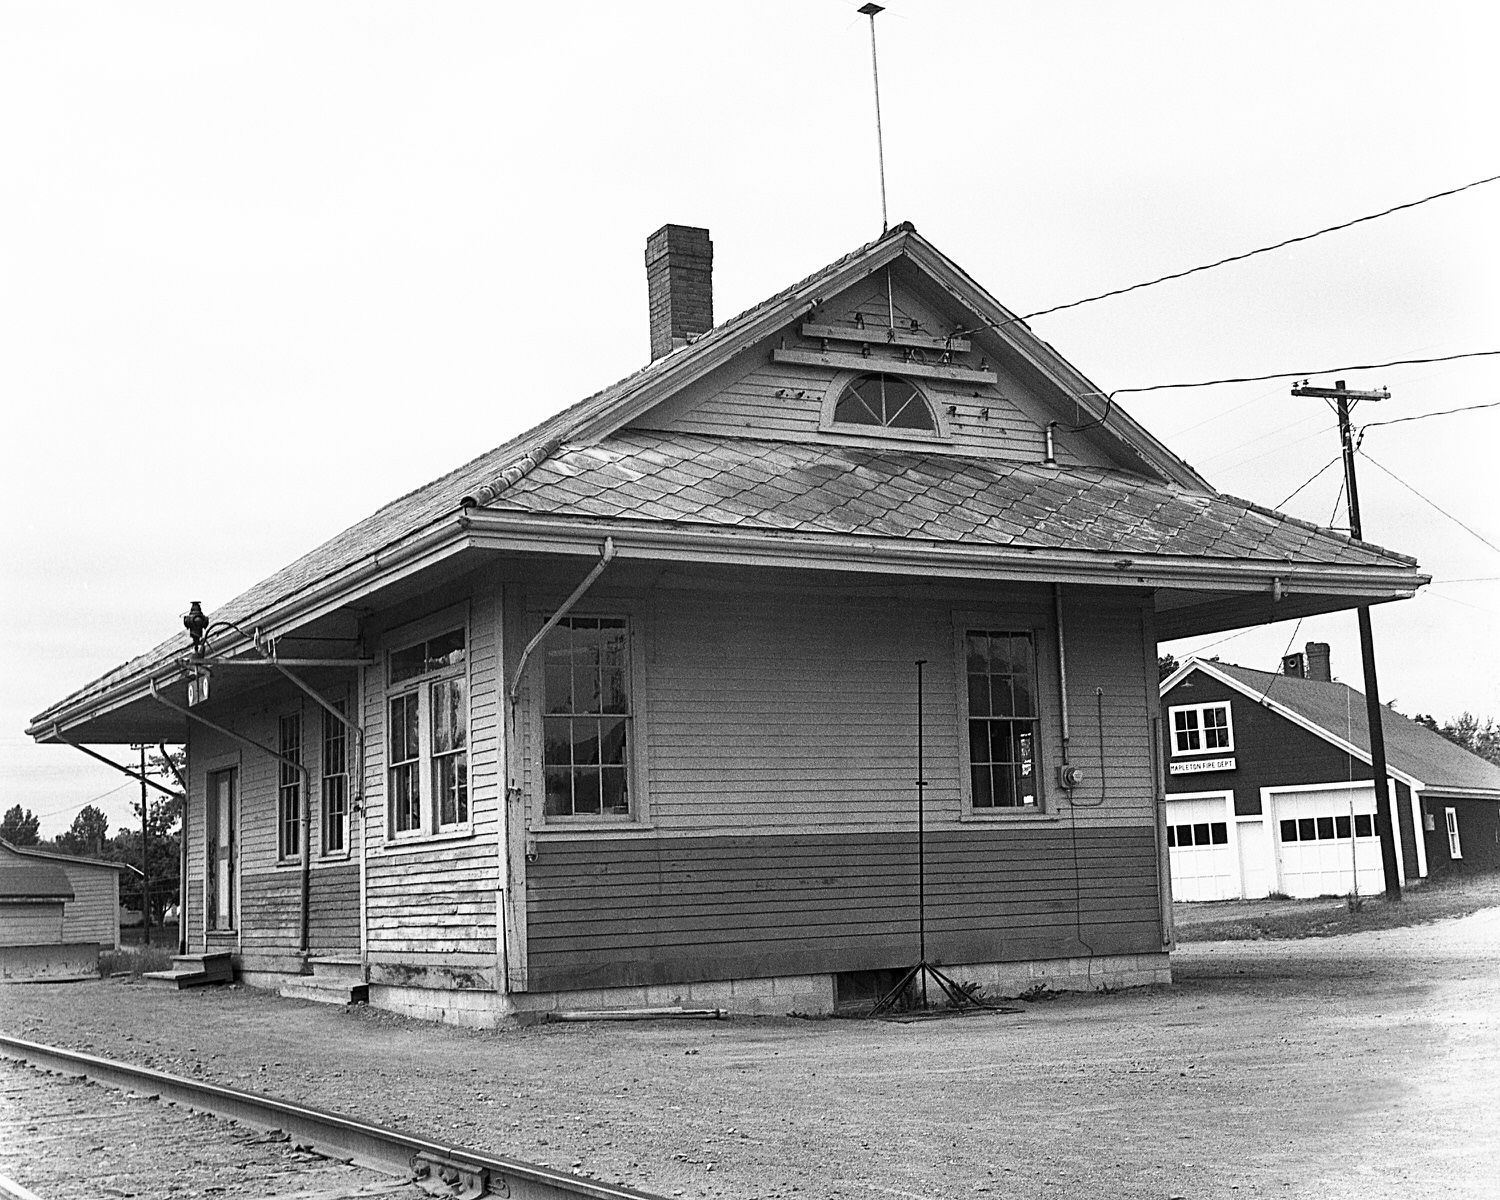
(1202, 728)
(587, 719)
(1455, 846)
(404, 761)
(335, 783)
(1003, 721)
(289, 792)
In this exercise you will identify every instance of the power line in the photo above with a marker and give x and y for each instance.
(1395, 362)
(1109, 397)
(1434, 504)
(1447, 412)
(1262, 250)
(1315, 475)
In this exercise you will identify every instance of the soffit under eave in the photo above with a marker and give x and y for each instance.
(1191, 614)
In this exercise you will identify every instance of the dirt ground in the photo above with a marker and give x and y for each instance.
(1363, 1065)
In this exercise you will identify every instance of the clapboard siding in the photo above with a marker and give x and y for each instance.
(93, 915)
(270, 907)
(31, 923)
(757, 397)
(794, 708)
(432, 902)
(604, 914)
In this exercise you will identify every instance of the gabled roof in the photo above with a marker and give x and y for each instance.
(1336, 712)
(1166, 511)
(66, 859)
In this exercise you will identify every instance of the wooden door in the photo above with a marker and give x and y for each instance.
(221, 867)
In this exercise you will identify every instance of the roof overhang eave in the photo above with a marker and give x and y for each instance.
(732, 545)
(413, 554)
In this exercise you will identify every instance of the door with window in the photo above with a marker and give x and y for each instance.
(222, 875)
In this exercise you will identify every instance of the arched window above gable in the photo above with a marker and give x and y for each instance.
(885, 402)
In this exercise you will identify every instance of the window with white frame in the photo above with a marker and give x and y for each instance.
(1002, 719)
(335, 783)
(289, 792)
(1201, 728)
(427, 735)
(1455, 847)
(586, 720)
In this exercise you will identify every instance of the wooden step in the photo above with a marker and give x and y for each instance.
(325, 990)
(195, 970)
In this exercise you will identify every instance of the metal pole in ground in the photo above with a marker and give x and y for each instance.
(1383, 810)
(145, 856)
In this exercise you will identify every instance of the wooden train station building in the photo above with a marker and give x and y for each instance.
(625, 712)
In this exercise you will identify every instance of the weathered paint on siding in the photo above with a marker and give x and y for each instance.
(93, 915)
(794, 708)
(757, 397)
(31, 923)
(608, 914)
(432, 903)
(779, 726)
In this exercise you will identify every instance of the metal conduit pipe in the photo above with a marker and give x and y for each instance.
(281, 758)
(606, 556)
(1062, 665)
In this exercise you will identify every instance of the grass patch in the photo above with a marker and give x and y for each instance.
(137, 960)
(1451, 896)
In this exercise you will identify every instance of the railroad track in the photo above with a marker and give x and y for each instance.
(446, 1170)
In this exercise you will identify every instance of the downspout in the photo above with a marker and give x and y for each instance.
(606, 556)
(281, 758)
(356, 805)
(1062, 667)
(513, 743)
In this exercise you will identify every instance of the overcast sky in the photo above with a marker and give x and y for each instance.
(264, 267)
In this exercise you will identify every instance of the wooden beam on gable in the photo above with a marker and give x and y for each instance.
(879, 335)
(897, 366)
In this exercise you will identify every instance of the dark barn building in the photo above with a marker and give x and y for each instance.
(1269, 786)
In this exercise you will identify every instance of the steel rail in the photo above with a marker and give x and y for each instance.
(334, 1135)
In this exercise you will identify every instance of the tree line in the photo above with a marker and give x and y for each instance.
(89, 837)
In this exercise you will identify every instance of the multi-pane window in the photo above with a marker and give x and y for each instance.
(335, 782)
(586, 718)
(885, 401)
(427, 730)
(289, 793)
(404, 756)
(1201, 728)
(1204, 833)
(1328, 829)
(1001, 670)
(1455, 846)
(450, 752)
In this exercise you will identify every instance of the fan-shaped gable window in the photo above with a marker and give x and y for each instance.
(885, 401)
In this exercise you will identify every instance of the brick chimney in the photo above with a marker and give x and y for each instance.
(1318, 665)
(1294, 666)
(679, 285)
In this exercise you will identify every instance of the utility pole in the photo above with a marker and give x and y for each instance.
(145, 858)
(1384, 811)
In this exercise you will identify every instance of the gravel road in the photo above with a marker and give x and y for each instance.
(1365, 1065)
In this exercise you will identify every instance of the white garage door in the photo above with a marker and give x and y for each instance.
(1319, 837)
(1204, 866)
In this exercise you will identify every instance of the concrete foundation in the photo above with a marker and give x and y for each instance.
(810, 995)
(49, 964)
